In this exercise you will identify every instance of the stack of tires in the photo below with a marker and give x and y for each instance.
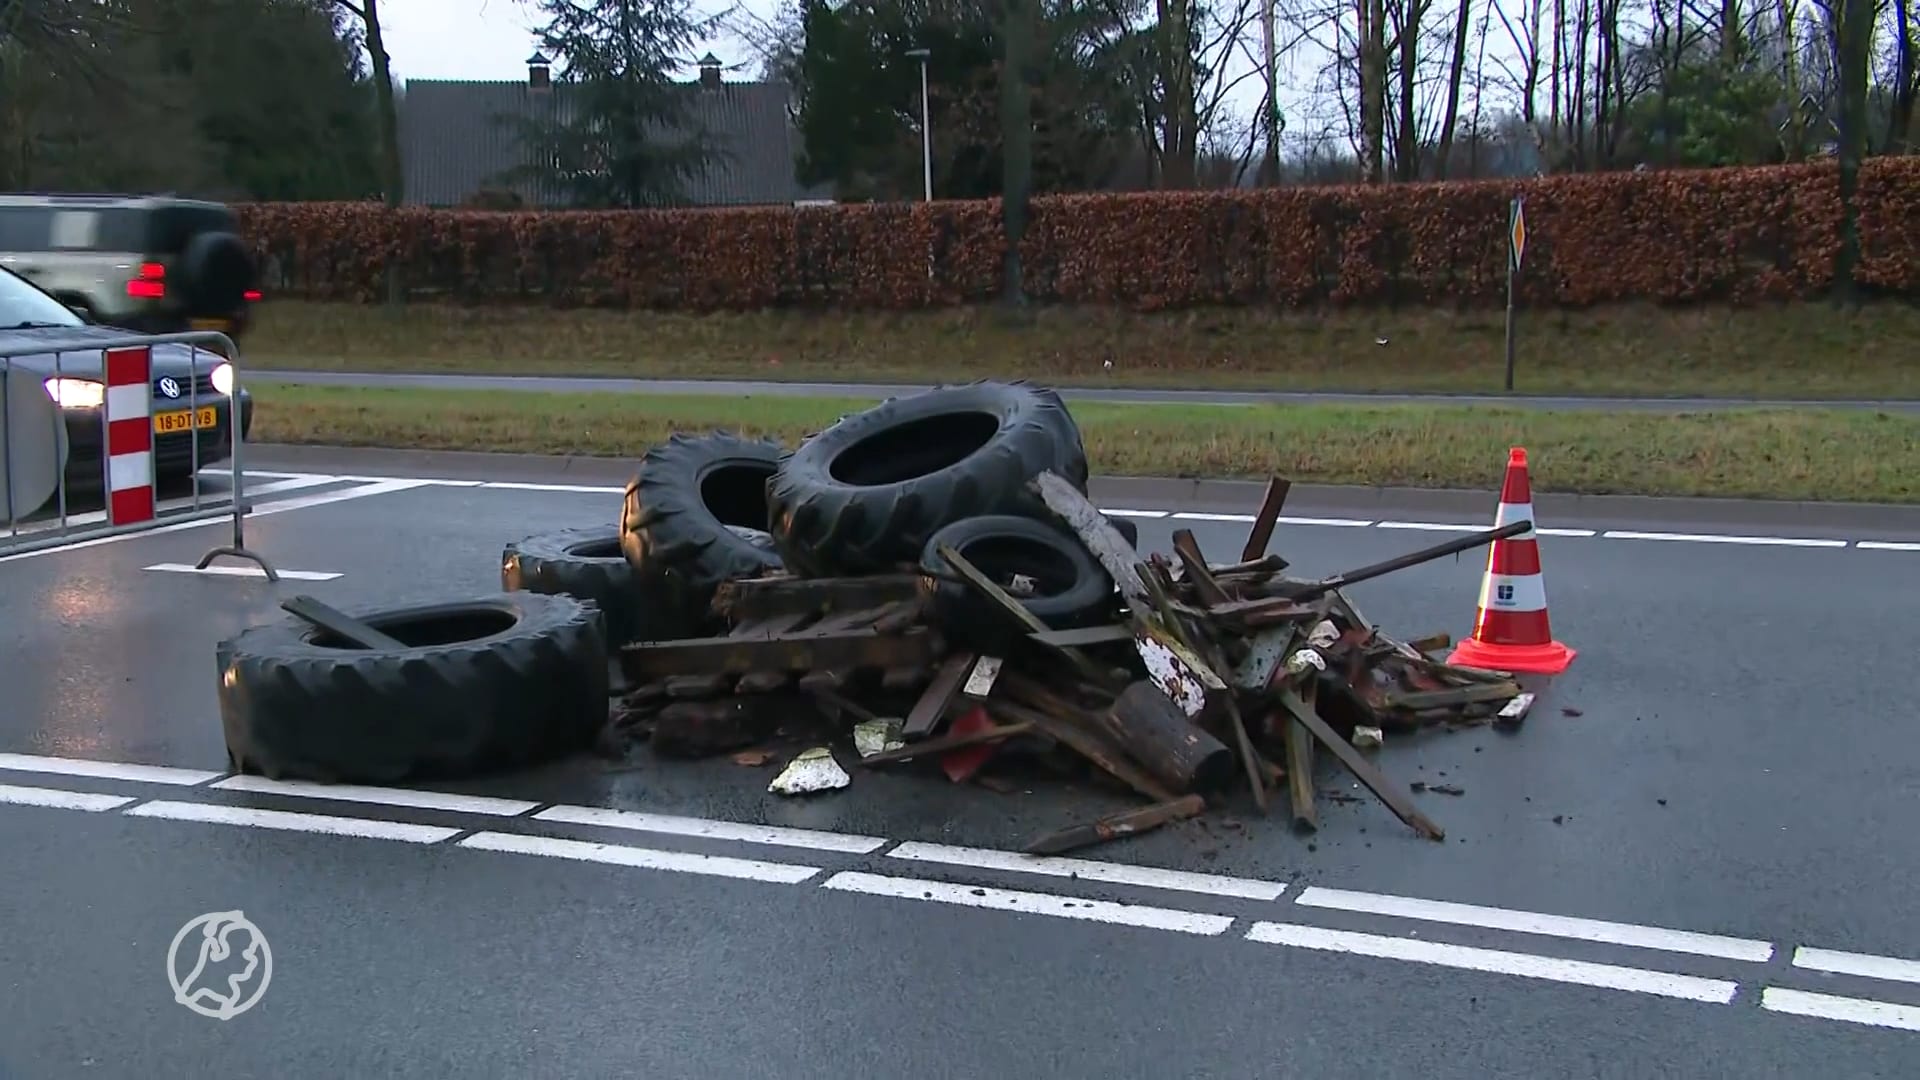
(878, 492)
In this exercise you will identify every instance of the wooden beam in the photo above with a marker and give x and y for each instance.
(1102, 540)
(1261, 534)
(1396, 799)
(942, 744)
(932, 706)
(1015, 609)
(1115, 826)
(339, 623)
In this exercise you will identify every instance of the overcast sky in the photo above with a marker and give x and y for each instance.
(481, 39)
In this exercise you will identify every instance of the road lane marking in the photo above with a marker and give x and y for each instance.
(1566, 532)
(713, 830)
(1116, 512)
(1088, 870)
(1032, 903)
(57, 799)
(383, 796)
(106, 770)
(242, 571)
(641, 858)
(1846, 1009)
(1886, 545)
(1865, 965)
(327, 824)
(1528, 922)
(1428, 526)
(577, 489)
(1499, 962)
(1705, 538)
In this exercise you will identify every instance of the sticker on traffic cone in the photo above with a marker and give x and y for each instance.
(1511, 631)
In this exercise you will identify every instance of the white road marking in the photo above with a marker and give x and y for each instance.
(713, 830)
(243, 571)
(106, 770)
(1495, 961)
(58, 799)
(1196, 515)
(1865, 965)
(1336, 523)
(1528, 922)
(1566, 532)
(1428, 526)
(1062, 907)
(294, 822)
(383, 796)
(642, 858)
(579, 489)
(1834, 1007)
(1089, 870)
(1116, 512)
(1704, 538)
(1886, 545)
(291, 483)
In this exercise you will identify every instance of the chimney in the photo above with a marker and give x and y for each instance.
(709, 70)
(539, 72)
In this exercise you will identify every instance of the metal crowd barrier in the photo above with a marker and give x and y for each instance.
(43, 405)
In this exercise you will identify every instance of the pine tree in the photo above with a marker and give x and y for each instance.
(620, 131)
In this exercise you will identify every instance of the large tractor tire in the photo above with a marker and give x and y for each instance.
(696, 516)
(1069, 589)
(586, 564)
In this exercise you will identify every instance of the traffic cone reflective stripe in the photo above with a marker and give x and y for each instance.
(1511, 630)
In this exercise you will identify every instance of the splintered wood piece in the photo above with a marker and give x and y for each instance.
(1102, 540)
(1396, 799)
(932, 706)
(1430, 643)
(1264, 611)
(1453, 698)
(1115, 826)
(760, 598)
(646, 660)
(1083, 636)
(943, 743)
(1193, 569)
(1263, 567)
(1015, 610)
(1157, 734)
(1261, 534)
(1086, 740)
(1300, 769)
(338, 623)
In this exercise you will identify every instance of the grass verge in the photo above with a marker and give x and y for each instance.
(1792, 351)
(1841, 455)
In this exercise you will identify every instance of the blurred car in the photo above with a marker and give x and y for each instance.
(151, 264)
(193, 397)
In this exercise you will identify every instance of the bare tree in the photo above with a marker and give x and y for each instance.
(1456, 69)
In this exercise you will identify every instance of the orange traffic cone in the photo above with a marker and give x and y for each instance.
(1511, 631)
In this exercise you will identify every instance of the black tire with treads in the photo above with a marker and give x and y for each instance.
(587, 564)
(480, 685)
(1070, 588)
(864, 495)
(695, 516)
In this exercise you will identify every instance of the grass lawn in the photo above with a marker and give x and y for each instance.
(1852, 455)
(1794, 351)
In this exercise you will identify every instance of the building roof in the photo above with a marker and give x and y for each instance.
(452, 144)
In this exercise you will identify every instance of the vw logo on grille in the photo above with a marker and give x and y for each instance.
(170, 388)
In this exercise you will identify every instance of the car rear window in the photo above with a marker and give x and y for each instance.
(170, 228)
(71, 228)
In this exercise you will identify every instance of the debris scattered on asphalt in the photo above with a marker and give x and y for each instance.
(753, 759)
(1368, 738)
(813, 770)
(1568, 710)
(1448, 789)
(872, 737)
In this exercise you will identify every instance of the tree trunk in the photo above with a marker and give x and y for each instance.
(1855, 33)
(1900, 115)
(392, 176)
(1270, 107)
(1016, 135)
(1454, 73)
(1179, 120)
(1406, 154)
(1373, 90)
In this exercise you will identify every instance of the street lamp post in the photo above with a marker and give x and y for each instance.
(926, 121)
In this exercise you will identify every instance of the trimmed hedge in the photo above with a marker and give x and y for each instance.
(1731, 235)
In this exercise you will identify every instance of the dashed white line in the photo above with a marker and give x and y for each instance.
(1061, 907)
(1427, 526)
(577, 489)
(1088, 870)
(1886, 545)
(642, 858)
(294, 822)
(243, 571)
(1498, 962)
(57, 799)
(106, 770)
(713, 830)
(383, 796)
(1567, 532)
(1865, 965)
(1834, 1007)
(1708, 538)
(1198, 515)
(1528, 922)
(1115, 512)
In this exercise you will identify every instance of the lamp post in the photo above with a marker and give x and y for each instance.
(926, 121)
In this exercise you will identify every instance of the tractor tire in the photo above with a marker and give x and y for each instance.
(480, 685)
(587, 564)
(864, 495)
(1070, 588)
(695, 517)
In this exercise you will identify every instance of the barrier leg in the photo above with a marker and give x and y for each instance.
(238, 549)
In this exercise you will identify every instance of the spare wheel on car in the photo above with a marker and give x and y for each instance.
(865, 494)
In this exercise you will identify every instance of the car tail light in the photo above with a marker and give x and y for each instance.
(151, 284)
(252, 296)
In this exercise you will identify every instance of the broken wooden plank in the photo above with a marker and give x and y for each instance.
(1193, 568)
(1261, 534)
(1089, 743)
(1083, 636)
(942, 743)
(1452, 698)
(1309, 590)
(646, 660)
(1396, 799)
(1102, 540)
(353, 631)
(759, 598)
(939, 694)
(1116, 826)
(1161, 737)
(771, 625)
(1299, 744)
(1015, 609)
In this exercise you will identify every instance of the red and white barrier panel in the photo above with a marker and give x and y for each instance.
(129, 436)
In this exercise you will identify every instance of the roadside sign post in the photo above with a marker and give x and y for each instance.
(1516, 247)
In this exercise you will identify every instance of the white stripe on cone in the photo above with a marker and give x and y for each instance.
(1512, 512)
(1505, 592)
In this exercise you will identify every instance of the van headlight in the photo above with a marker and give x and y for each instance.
(223, 379)
(76, 393)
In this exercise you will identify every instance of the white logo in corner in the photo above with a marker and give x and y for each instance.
(219, 964)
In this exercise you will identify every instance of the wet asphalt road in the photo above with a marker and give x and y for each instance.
(763, 388)
(1719, 777)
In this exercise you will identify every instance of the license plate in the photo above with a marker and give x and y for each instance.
(168, 423)
(222, 325)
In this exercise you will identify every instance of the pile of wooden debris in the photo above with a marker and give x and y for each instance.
(1206, 679)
